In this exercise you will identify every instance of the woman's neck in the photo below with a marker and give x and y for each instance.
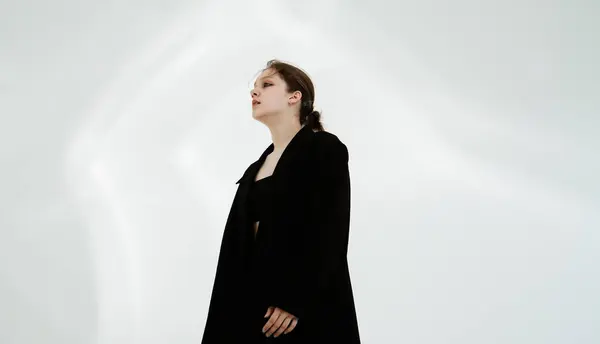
(282, 135)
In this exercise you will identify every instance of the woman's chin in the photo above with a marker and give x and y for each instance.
(257, 114)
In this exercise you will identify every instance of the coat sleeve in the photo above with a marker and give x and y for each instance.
(320, 253)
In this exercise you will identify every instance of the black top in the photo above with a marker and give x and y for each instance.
(259, 207)
(258, 201)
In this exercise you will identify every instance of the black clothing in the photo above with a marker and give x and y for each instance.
(298, 261)
(260, 192)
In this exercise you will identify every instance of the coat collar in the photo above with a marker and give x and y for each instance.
(299, 143)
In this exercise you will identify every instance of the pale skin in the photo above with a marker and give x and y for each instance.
(279, 110)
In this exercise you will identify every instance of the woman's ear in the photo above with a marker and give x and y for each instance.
(295, 97)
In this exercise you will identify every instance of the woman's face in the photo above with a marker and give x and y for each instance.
(270, 93)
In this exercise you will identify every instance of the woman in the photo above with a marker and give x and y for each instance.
(282, 273)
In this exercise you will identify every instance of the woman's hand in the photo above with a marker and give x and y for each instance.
(279, 322)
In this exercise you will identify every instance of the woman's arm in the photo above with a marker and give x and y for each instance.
(324, 247)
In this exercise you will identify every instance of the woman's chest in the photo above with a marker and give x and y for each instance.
(279, 205)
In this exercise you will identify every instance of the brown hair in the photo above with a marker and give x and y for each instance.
(297, 80)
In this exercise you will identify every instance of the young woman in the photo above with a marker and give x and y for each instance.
(282, 273)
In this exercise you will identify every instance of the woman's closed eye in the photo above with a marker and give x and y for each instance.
(266, 84)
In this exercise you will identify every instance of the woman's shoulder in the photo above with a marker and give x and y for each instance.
(329, 145)
(325, 138)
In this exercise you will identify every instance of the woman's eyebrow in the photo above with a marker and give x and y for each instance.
(264, 79)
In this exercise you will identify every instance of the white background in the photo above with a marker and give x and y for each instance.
(472, 128)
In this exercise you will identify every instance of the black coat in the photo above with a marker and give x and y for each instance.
(299, 255)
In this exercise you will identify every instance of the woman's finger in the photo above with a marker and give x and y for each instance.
(269, 311)
(292, 326)
(283, 327)
(272, 319)
(277, 324)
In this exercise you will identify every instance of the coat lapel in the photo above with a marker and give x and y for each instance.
(300, 143)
